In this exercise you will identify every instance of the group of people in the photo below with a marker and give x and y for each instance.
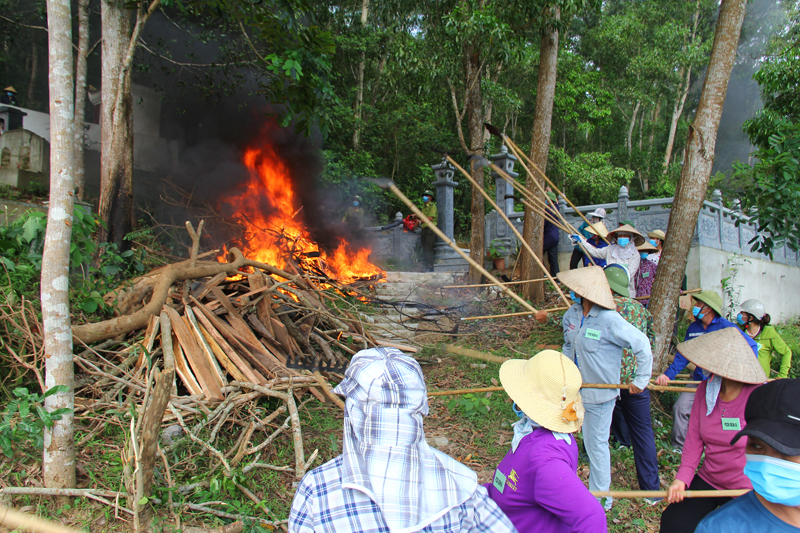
(389, 479)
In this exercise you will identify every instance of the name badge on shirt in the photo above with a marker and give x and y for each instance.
(645, 274)
(592, 334)
(731, 424)
(499, 481)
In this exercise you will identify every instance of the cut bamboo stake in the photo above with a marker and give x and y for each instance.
(663, 493)
(521, 313)
(520, 154)
(502, 213)
(658, 388)
(389, 184)
(491, 284)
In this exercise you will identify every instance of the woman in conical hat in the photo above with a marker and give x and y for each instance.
(536, 484)
(717, 415)
(621, 251)
(594, 337)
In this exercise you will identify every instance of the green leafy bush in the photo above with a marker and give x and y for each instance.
(25, 418)
(470, 404)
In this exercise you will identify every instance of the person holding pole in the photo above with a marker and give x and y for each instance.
(707, 311)
(577, 254)
(551, 235)
(622, 250)
(594, 337)
(772, 453)
(717, 414)
(597, 232)
(633, 410)
(536, 483)
(754, 320)
(428, 236)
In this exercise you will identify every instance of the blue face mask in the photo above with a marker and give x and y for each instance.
(740, 320)
(697, 314)
(654, 242)
(623, 241)
(355, 204)
(517, 410)
(426, 198)
(574, 297)
(643, 255)
(776, 480)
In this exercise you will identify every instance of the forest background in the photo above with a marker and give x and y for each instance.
(378, 85)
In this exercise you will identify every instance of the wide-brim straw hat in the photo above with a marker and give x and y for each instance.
(724, 353)
(590, 283)
(657, 234)
(638, 238)
(711, 298)
(598, 228)
(547, 387)
(647, 247)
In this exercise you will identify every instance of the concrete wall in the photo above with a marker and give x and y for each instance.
(24, 158)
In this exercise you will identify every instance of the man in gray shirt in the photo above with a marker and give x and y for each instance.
(594, 337)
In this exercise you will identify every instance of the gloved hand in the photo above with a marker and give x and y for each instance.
(576, 239)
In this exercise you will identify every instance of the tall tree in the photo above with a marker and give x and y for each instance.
(362, 62)
(81, 65)
(59, 445)
(533, 227)
(698, 160)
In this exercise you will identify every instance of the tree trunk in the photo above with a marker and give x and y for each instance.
(533, 227)
(629, 139)
(677, 111)
(116, 158)
(34, 71)
(699, 158)
(360, 81)
(474, 107)
(80, 96)
(59, 444)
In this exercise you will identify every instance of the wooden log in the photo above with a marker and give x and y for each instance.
(191, 350)
(206, 287)
(263, 309)
(205, 349)
(231, 355)
(235, 318)
(182, 368)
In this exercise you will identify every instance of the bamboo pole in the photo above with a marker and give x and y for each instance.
(389, 184)
(491, 284)
(502, 213)
(626, 386)
(663, 493)
(18, 520)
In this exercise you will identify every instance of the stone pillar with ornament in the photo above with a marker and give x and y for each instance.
(504, 191)
(446, 259)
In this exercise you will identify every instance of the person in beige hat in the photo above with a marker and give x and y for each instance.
(594, 337)
(717, 416)
(657, 238)
(707, 311)
(9, 96)
(596, 216)
(647, 271)
(536, 484)
(621, 251)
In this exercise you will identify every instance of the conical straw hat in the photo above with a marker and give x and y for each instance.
(10, 89)
(647, 247)
(598, 227)
(724, 353)
(638, 238)
(589, 283)
(547, 387)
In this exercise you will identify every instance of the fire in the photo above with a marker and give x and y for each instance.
(272, 214)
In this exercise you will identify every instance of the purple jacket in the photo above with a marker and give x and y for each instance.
(550, 236)
(541, 490)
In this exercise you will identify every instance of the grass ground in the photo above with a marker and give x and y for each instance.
(479, 440)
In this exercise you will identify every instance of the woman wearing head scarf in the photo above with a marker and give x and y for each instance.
(594, 337)
(621, 251)
(754, 320)
(577, 254)
(717, 414)
(536, 484)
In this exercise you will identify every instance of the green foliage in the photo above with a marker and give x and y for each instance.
(25, 418)
(590, 178)
(470, 405)
(497, 250)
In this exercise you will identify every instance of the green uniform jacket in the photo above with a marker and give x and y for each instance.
(431, 211)
(354, 218)
(770, 342)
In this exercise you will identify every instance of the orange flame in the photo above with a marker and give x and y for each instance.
(274, 235)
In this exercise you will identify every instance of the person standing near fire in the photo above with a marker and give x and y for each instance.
(354, 216)
(430, 210)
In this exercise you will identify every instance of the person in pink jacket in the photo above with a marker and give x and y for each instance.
(536, 484)
(717, 415)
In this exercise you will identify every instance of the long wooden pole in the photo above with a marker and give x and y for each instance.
(660, 388)
(663, 493)
(18, 520)
(491, 284)
(439, 233)
(502, 213)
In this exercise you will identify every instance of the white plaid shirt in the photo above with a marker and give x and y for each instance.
(388, 479)
(322, 505)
